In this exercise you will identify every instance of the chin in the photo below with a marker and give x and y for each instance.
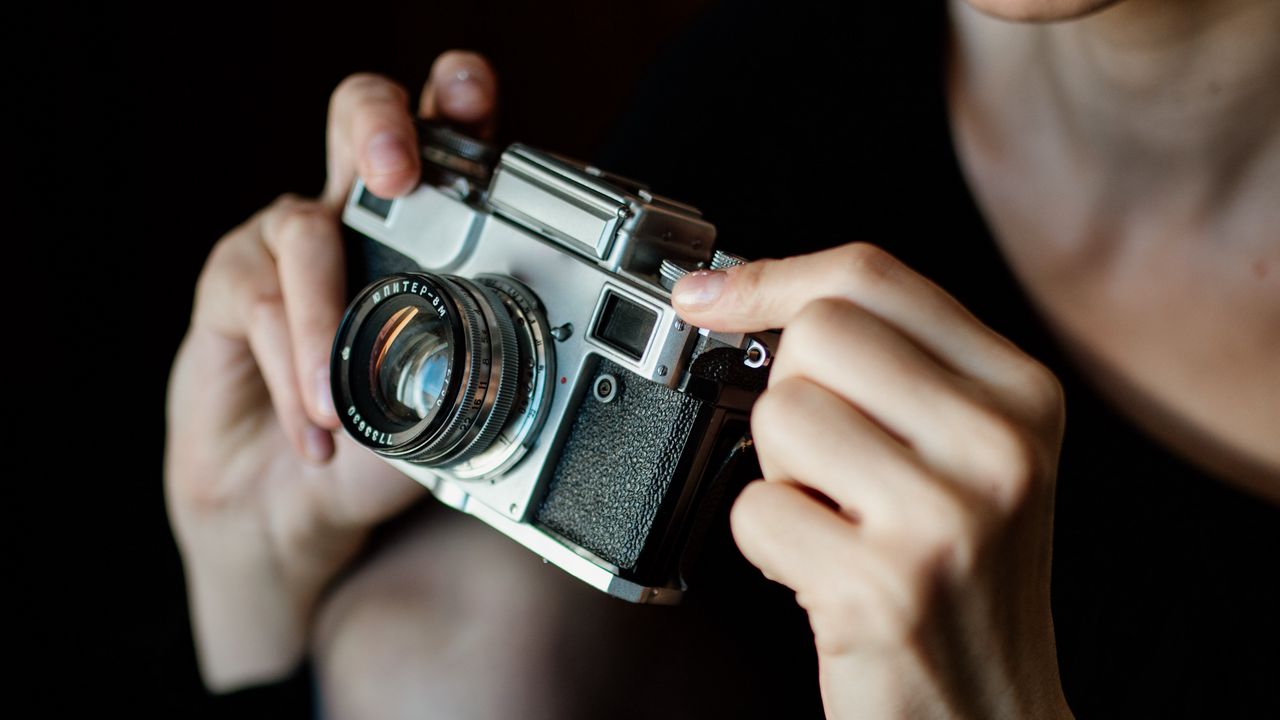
(1040, 10)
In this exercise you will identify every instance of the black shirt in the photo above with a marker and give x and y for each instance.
(823, 124)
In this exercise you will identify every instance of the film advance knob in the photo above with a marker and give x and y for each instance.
(723, 260)
(672, 270)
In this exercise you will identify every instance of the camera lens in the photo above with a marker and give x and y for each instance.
(409, 365)
(444, 371)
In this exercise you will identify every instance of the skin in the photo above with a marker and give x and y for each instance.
(267, 505)
(1155, 134)
(936, 549)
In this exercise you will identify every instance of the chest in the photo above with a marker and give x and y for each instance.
(1172, 312)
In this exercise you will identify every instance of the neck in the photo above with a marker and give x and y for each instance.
(1169, 85)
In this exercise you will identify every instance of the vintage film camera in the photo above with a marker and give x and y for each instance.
(514, 350)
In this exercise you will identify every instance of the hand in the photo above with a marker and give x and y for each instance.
(909, 456)
(266, 504)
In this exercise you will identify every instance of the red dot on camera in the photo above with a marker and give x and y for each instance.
(564, 380)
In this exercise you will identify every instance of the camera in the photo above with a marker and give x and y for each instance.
(511, 346)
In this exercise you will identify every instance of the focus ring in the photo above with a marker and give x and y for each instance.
(505, 369)
(536, 367)
(470, 398)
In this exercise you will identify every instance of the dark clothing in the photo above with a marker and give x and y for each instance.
(822, 125)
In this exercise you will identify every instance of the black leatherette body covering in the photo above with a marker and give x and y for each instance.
(617, 466)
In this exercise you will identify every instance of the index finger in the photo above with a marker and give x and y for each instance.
(371, 133)
(769, 293)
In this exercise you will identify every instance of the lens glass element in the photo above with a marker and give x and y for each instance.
(409, 365)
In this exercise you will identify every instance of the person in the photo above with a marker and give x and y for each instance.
(1122, 157)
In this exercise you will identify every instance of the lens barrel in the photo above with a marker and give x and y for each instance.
(432, 369)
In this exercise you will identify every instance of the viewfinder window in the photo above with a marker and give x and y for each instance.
(624, 325)
(374, 204)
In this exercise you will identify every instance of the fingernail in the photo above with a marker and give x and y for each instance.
(324, 396)
(699, 289)
(319, 444)
(388, 153)
(462, 92)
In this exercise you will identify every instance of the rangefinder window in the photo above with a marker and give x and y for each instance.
(374, 204)
(624, 325)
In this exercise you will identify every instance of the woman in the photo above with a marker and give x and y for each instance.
(1123, 159)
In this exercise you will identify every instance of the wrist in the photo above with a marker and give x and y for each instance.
(249, 627)
(251, 608)
(911, 679)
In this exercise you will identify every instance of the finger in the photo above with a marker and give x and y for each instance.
(237, 276)
(371, 134)
(769, 293)
(268, 340)
(946, 419)
(462, 88)
(806, 434)
(771, 520)
(366, 490)
(305, 243)
(855, 588)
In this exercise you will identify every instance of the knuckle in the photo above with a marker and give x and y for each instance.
(768, 409)
(299, 225)
(194, 493)
(788, 392)
(241, 292)
(818, 317)
(1044, 395)
(221, 271)
(284, 202)
(745, 514)
(1008, 458)
(221, 257)
(262, 310)
(942, 523)
(862, 607)
(832, 634)
(841, 628)
(188, 495)
(776, 407)
(866, 265)
(940, 538)
(237, 277)
(815, 325)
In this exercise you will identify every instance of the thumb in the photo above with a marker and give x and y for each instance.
(462, 88)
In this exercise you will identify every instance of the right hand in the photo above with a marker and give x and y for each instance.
(266, 502)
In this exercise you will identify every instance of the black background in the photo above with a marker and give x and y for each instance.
(165, 130)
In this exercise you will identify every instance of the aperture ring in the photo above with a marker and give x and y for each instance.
(503, 372)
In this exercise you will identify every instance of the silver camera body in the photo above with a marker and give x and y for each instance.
(581, 423)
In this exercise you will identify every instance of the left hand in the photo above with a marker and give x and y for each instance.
(909, 456)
